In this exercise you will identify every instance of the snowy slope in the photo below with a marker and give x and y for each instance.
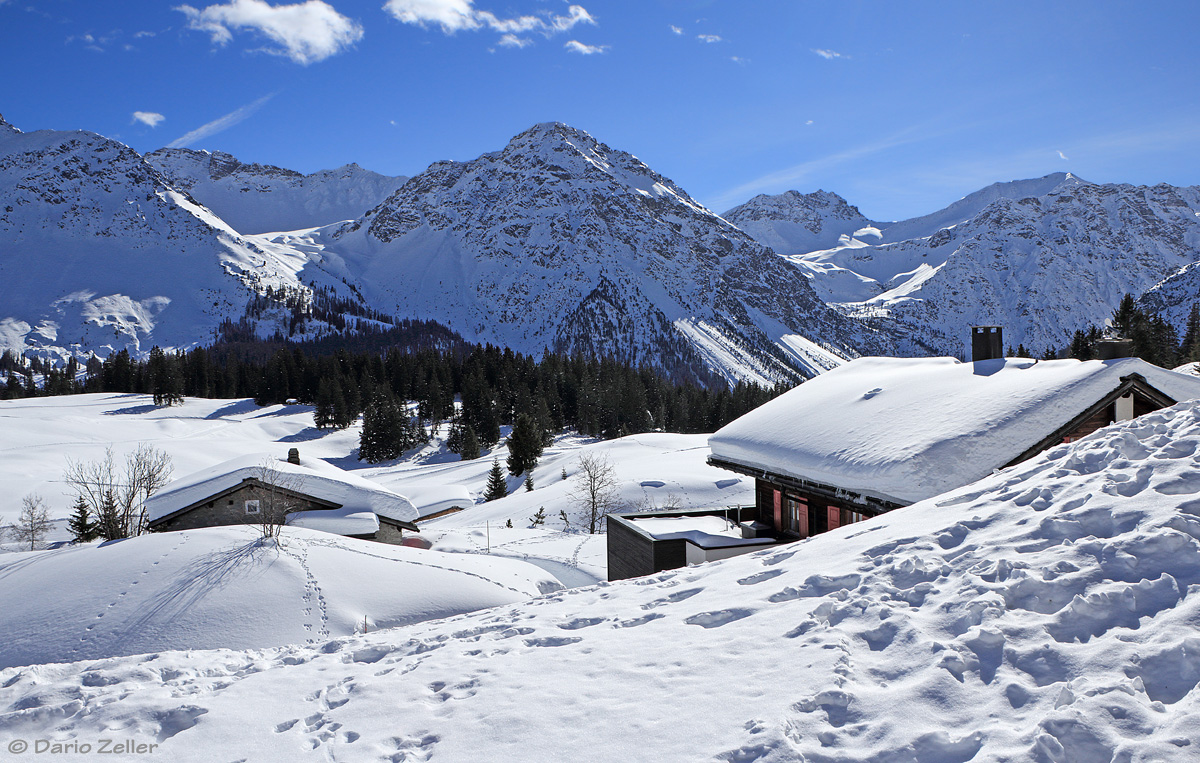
(38, 435)
(257, 198)
(99, 252)
(223, 587)
(1041, 614)
(560, 241)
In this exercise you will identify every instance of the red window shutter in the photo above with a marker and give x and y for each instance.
(835, 516)
(778, 510)
(803, 519)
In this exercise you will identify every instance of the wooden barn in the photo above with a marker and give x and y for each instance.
(880, 433)
(307, 493)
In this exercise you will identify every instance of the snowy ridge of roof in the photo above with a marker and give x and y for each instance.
(905, 429)
(312, 476)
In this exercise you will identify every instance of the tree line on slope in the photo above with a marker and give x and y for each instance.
(405, 380)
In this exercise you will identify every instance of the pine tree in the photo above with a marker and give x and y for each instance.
(529, 482)
(382, 430)
(82, 528)
(470, 444)
(539, 519)
(524, 445)
(166, 382)
(496, 485)
(323, 413)
(1189, 350)
(1125, 317)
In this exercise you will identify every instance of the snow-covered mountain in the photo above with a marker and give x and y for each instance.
(1040, 257)
(98, 251)
(558, 241)
(795, 223)
(258, 198)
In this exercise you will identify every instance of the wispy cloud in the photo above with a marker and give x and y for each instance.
(149, 118)
(462, 15)
(739, 60)
(220, 124)
(794, 175)
(575, 46)
(675, 29)
(708, 37)
(827, 54)
(305, 32)
(1062, 156)
(512, 41)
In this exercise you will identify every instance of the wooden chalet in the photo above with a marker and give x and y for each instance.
(880, 433)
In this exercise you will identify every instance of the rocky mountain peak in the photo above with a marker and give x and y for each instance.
(6, 127)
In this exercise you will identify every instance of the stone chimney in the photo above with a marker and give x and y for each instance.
(987, 343)
(294, 456)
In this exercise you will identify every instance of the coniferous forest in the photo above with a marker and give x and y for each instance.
(404, 380)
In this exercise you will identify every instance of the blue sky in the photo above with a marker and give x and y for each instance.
(900, 107)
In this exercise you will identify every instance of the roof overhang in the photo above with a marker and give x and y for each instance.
(875, 504)
(402, 524)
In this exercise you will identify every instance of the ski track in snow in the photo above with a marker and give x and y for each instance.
(1046, 613)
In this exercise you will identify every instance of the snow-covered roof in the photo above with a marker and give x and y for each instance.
(705, 531)
(336, 521)
(311, 476)
(434, 498)
(905, 429)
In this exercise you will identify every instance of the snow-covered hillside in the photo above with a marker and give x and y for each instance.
(224, 587)
(257, 198)
(560, 241)
(796, 223)
(1040, 257)
(1045, 613)
(98, 251)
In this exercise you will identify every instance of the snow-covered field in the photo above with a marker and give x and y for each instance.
(38, 435)
(1046, 613)
(226, 587)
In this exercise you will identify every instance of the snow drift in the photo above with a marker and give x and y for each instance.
(1045, 613)
(225, 587)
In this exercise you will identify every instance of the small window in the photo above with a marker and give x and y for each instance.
(251, 507)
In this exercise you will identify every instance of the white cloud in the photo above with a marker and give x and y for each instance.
(220, 124)
(307, 32)
(512, 41)
(808, 122)
(708, 37)
(676, 30)
(1063, 156)
(739, 60)
(575, 46)
(459, 15)
(148, 118)
(139, 35)
(828, 55)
